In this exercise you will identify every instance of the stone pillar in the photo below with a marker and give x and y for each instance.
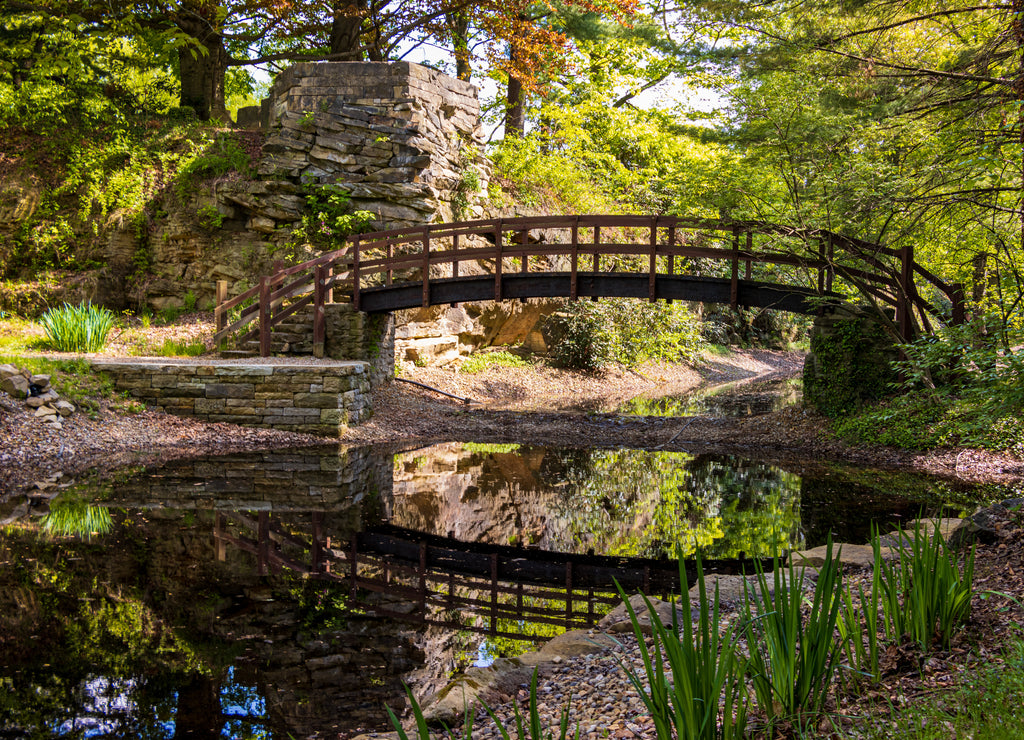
(353, 334)
(850, 362)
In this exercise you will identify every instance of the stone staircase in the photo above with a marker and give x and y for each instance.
(293, 336)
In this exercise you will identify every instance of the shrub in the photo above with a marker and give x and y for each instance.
(82, 328)
(480, 361)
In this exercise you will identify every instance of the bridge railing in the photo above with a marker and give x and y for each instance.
(653, 244)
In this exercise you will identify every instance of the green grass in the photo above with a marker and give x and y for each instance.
(81, 328)
(20, 335)
(985, 706)
(172, 348)
(74, 380)
(479, 362)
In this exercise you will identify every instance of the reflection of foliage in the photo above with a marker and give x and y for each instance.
(322, 605)
(645, 503)
(483, 448)
(73, 517)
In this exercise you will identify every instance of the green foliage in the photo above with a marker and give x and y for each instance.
(958, 388)
(174, 348)
(189, 301)
(478, 362)
(705, 697)
(329, 218)
(82, 328)
(859, 625)
(211, 157)
(585, 335)
(209, 217)
(792, 661)
(73, 379)
(925, 595)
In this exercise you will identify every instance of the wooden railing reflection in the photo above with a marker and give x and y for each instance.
(491, 589)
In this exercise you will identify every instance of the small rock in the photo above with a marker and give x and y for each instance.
(42, 381)
(15, 385)
(46, 411)
(34, 402)
(64, 408)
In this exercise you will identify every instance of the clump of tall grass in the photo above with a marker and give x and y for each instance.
(704, 698)
(81, 328)
(924, 595)
(792, 659)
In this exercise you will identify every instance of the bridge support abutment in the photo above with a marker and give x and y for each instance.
(850, 362)
(353, 335)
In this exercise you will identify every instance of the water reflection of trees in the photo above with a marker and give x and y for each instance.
(646, 503)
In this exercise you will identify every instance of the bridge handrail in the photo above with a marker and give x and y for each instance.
(348, 267)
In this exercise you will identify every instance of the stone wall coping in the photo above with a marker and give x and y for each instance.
(265, 365)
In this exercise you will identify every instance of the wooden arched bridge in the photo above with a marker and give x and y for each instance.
(647, 257)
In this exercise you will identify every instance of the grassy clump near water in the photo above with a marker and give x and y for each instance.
(696, 684)
(82, 328)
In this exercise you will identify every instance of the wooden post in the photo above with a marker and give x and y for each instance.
(905, 304)
(519, 600)
(597, 257)
(355, 273)
(423, 580)
(734, 288)
(262, 542)
(426, 266)
(389, 252)
(568, 594)
(455, 260)
(524, 263)
(494, 593)
(319, 312)
(671, 246)
(220, 316)
(329, 297)
(652, 271)
(264, 317)
(497, 261)
(750, 250)
(574, 259)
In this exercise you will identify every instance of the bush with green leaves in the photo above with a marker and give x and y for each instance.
(329, 218)
(478, 362)
(81, 328)
(587, 335)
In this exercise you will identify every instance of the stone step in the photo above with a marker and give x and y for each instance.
(230, 353)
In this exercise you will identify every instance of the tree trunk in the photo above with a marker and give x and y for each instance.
(199, 714)
(458, 26)
(345, 30)
(202, 73)
(515, 104)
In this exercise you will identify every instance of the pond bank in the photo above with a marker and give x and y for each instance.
(534, 405)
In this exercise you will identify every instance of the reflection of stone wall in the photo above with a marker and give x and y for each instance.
(319, 399)
(326, 480)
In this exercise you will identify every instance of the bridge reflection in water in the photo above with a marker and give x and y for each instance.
(463, 586)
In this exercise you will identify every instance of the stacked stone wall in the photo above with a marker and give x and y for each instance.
(318, 399)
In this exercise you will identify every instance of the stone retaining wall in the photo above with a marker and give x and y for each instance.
(318, 399)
